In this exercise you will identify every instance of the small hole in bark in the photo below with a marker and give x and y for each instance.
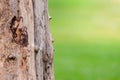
(22, 63)
(25, 58)
(12, 21)
(48, 67)
(11, 58)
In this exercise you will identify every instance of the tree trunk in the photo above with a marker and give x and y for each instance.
(25, 41)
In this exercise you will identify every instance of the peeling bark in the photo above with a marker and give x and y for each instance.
(26, 44)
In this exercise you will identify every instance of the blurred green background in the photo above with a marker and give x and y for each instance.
(87, 39)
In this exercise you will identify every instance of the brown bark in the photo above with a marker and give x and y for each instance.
(25, 41)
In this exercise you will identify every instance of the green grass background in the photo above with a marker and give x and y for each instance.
(87, 39)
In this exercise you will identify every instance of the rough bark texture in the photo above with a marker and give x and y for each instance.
(43, 41)
(25, 41)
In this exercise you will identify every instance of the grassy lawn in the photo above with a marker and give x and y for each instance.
(87, 39)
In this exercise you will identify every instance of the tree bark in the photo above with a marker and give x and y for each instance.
(25, 41)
